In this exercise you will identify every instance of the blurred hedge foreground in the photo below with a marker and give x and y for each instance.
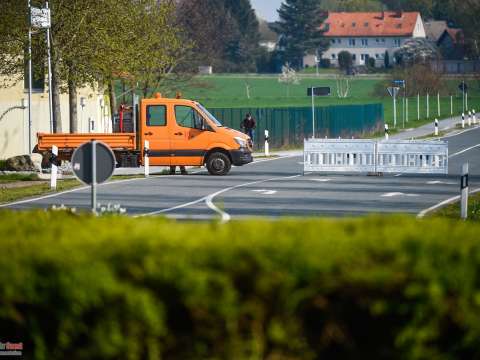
(119, 288)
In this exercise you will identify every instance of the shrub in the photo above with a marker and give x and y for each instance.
(345, 60)
(371, 62)
(325, 63)
(117, 288)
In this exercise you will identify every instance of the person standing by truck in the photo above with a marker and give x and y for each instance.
(248, 125)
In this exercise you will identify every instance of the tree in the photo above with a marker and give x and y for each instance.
(228, 41)
(414, 51)
(386, 59)
(288, 77)
(92, 43)
(351, 5)
(300, 27)
(345, 60)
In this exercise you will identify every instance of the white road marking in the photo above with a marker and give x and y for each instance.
(439, 182)
(464, 150)
(321, 180)
(209, 199)
(398, 175)
(442, 204)
(394, 194)
(265, 192)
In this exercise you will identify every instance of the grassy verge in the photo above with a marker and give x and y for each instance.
(6, 178)
(116, 287)
(452, 211)
(14, 194)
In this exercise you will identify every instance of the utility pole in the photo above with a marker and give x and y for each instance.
(29, 77)
(50, 95)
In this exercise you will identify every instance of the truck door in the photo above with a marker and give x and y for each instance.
(190, 136)
(156, 132)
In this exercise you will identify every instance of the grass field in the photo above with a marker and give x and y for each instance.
(229, 91)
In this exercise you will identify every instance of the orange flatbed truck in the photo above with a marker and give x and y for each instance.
(179, 131)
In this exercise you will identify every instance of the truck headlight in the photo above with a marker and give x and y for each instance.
(241, 142)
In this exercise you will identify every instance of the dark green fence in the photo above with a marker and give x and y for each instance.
(290, 126)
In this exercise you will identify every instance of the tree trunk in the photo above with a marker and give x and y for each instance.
(113, 101)
(57, 114)
(72, 103)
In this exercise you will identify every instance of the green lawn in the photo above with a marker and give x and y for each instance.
(229, 91)
(452, 211)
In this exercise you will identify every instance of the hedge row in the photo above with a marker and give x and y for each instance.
(118, 288)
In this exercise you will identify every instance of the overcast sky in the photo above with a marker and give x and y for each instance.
(267, 9)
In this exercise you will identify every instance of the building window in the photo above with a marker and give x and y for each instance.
(364, 42)
(354, 24)
(354, 57)
(383, 40)
(351, 42)
(365, 24)
(333, 41)
(339, 41)
(334, 56)
(362, 57)
(378, 40)
(377, 56)
(396, 42)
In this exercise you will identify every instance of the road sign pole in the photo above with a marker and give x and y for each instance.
(418, 106)
(438, 104)
(94, 176)
(313, 113)
(50, 95)
(394, 111)
(464, 189)
(406, 107)
(428, 106)
(451, 105)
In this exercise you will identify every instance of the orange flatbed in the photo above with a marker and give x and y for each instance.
(69, 142)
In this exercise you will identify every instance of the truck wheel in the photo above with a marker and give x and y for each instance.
(218, 164)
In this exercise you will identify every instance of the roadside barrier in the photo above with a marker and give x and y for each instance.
(349, 155)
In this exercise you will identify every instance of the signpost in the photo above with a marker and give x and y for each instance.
(93, 163)
(40, 19)
(316, 91)
(393, 91)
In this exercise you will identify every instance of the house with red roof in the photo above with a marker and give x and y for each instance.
(368, 35)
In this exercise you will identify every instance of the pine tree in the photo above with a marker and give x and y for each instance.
(300, 29)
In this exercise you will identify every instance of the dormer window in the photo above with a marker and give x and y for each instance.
(399, 26)
(366, 24)
(354, 24)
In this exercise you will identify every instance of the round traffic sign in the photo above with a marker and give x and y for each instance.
(83, 162)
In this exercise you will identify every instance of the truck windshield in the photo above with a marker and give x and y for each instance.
(210, 116)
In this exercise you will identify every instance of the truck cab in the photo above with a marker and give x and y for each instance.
(183, 132)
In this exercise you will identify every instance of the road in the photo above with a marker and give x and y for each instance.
(277, 187)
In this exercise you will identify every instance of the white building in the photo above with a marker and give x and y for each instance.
(368, 35)
(93, 116)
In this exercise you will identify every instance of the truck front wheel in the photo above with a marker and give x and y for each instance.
(218, 164)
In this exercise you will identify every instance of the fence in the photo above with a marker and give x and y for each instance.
(412, 157)
(290, 126)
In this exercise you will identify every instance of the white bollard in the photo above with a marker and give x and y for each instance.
(463, 120)
(464, 189)
(436, 127)
(146, 159)
(267, 145)
(54, 172)
(469, 118)
(474, 114)
(386, 132)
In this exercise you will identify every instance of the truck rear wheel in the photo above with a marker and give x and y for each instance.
(218, 164)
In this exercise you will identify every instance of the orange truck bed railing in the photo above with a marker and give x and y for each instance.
(69, 142)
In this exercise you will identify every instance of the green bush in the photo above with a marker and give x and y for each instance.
(120, 288)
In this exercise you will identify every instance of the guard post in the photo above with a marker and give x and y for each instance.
(267, 145)
(54, 169)
(464, 190)
(146, 158)
(436, 127)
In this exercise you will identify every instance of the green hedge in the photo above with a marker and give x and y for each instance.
(118, 288)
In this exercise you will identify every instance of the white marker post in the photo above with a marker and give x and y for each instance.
(463, 120)
(386, 132)
(146, 159)
(313, 112)
(464, 189)
(474, 117)
(436, 127)
(469, 118)
(54, 170)
(451, 105)
(267, 146)
(394, 110)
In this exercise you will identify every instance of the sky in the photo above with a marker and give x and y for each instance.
(267, 9)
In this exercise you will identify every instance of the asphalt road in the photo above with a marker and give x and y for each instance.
(277, 187)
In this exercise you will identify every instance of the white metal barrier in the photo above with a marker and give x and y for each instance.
(344, 155)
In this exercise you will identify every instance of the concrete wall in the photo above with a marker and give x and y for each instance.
(14, 119)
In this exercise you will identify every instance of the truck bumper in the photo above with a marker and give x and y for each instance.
(241, 157)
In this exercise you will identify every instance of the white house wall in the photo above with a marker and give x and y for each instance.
(14, 122)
